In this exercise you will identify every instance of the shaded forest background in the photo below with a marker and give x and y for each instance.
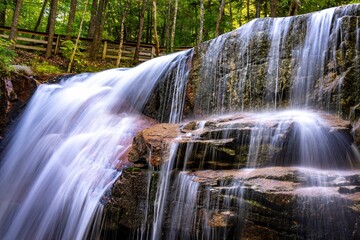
(165, 23)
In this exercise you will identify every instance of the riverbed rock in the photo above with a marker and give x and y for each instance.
(264, 203)
(153, 143)
(210, 179)
(15, 92)
(227, 142)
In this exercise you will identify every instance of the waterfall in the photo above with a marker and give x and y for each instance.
(73, 141)
(267, 64)
(70, 146)
(272, 63)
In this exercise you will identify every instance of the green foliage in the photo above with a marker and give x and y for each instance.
(46, 68)
(236, 13)
(67, 48)
(6, 55)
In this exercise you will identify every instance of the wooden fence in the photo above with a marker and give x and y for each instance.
(37, 41)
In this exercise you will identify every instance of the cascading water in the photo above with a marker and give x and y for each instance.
(68, 146)
(279, 62)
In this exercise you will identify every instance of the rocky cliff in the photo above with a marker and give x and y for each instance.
(309, 60)
(275, 175)
(211, 195)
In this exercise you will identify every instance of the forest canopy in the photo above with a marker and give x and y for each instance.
(34, 15)
(167, 23)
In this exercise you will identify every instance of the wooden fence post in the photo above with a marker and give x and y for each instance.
(152, 52)
(104, 50)
(57, 45)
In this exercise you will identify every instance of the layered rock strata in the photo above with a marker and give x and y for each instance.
(214, 194)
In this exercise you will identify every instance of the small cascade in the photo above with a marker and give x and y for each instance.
(282, 62)
(281, 26)
(310, 60)
(183, 202)
(162, 194)
(217, 217)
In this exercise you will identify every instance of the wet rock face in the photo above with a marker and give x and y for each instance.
(264, 203)
(250, 140)
(153, 144)
(262, 65)
(211, 195)
(15, 92)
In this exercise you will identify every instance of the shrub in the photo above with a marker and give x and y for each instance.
(6, 55)
(46, 68)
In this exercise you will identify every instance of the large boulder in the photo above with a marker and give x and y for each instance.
(250, 140)
(15, 92)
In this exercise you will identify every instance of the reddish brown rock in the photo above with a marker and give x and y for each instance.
(153, 143)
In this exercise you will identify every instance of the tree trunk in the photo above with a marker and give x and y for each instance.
(51, 24)
(122, 33)
(173, 27)
(156, 37)
(38, 22)
(258, 3)
(167, 29)
(3, 5)
(140, 31)
(15, 20)
(265, 7)
(92, 23)
(201, 27)
(71, 19)
(273, 6)
(231, 15)
(220, 15)
(248, 10)
(77, 39)
(97, 35)
(295, 4)
(148, 28)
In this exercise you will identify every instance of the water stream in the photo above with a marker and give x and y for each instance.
(68, 146)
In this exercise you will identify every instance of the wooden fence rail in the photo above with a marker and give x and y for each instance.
(37, 41)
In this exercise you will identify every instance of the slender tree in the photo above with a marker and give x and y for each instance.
(167, 28)
(219, 18)
(273, 7)
(258, 4)
(126, 4)
(173, 27)
(97, 34)
(248, 10)
(149, 26)
(77, 39)
(15, 20)
(294, 6)
(140, 31)
(92, 23)
(38, 22)
(51, 24)
(3, 5)
(71, 18)
(156, 37)
(201, 27)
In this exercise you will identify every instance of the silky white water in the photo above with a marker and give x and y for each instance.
(69, 147)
